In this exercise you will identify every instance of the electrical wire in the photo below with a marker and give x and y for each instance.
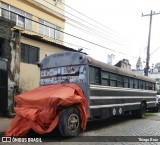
(88, 17)
(90, 42)
(154, 51)
(81, 24)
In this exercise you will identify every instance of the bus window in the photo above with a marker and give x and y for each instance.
(120, 81)
(147, 85)
(153, 86)
(135, 83)
(144, 85)
(105, 78)
(150, 86)
(140, 84)
(131, 82)
(113, 79)
(126, 82)
(94, 74)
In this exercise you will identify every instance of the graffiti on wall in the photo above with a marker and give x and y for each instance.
(68, 74)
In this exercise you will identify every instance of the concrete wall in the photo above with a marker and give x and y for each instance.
(30, 73)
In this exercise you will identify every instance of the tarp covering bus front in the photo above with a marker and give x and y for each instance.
(39, 109)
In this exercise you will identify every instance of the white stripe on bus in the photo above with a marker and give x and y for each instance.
(98, 87)
(119, 97)
(117, 105)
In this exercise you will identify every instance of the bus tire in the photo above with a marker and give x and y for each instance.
(141, 112)
(157, 109)
(69, 122)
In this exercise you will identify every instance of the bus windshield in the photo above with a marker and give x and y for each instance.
(67, 74)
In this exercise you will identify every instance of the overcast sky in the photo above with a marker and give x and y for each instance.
(125, 30)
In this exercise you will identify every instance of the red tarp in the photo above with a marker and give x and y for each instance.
(40, 108)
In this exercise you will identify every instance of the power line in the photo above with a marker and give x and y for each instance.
(102, 30)
(70, 34)
(87, 17)
(154, 51)
(95, 34)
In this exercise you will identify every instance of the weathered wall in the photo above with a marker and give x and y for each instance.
(38, 10)
(30, 73)
(8, 53)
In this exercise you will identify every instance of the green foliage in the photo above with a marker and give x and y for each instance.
(9, 110)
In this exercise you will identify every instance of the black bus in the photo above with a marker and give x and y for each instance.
(109, 90)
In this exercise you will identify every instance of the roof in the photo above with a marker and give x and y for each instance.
(117, 70)
(40, 38)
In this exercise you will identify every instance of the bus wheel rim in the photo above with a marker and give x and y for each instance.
(73, 122)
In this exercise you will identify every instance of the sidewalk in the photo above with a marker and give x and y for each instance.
(4, 123)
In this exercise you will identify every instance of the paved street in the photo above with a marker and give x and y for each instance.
(119, 126)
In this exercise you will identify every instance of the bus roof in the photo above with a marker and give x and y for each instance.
(117, 70)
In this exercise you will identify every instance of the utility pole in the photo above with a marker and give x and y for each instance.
(149, 38)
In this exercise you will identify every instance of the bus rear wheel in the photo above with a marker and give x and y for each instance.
(141, 112)
(69, 122)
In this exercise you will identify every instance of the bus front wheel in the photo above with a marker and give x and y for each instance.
(69, 122)
(141, 112)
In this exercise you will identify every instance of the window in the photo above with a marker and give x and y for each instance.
(153, 86)
(29, 54)
(113, 80)
(94, 74)
(105, 78)
(120, 81)
(5, 11)
(48, 29)
(144, 85)
(147, 85)
(20, 21)
(57, 33)
(126, 82)
(135, 83)
(28, 21)
(131, 82)
(150, 86)
(140, 84)
(21, 18)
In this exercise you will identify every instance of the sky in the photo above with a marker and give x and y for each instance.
(119, 27)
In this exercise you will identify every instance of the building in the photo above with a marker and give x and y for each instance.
(30, 30)
(124, 63)
(139, 64)
(110, 59)
(154, 72)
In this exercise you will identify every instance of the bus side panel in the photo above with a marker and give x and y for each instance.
(108, 101)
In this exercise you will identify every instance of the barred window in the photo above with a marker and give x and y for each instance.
(29, 54)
